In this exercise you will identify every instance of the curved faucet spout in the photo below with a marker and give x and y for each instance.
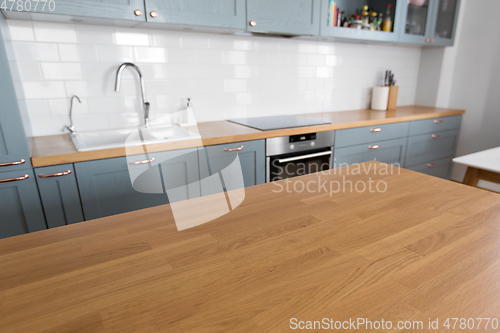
(145, 105)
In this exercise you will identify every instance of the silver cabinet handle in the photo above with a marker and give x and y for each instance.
(431, 165)
(435, 136)
(438, 121)
(58, 174)
(22, 161)
(142, 162)
(234, 149)
(303, 157)
(375, 130)
(374, 147)
(8, 180)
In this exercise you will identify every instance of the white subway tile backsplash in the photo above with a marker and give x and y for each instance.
(225, 76)
(78, 53)
(62, 71)
(54, 32)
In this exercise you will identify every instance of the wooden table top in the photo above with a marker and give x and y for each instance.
(424, 248)
(59, 149)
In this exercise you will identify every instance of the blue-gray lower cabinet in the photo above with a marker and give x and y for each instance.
(222, 160)
(20, 208)
(110, 9)
(428, 147)
(59, 195)
(295, 17)
(361, 135)
(438, 168)
(390, 152)
(106, 186)
(210, 13)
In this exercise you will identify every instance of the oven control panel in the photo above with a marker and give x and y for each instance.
(301, 142)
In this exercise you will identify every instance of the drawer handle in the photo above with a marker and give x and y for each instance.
(431, 165)
(234, 149)
(375, 130)
(435, 136)
(8, 180)
(374, 147)
(438, 121)
(142, 162)
(58, 174)
(22, 161)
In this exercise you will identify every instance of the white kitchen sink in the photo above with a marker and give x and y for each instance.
(119, 138)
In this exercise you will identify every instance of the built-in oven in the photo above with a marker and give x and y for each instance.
(297, 155)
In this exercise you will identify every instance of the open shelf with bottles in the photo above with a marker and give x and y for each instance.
(365, 32)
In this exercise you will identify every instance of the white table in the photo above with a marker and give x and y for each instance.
(483, 165)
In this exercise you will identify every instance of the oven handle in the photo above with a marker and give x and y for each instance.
(303, 157)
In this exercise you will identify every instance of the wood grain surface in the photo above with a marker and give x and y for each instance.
(424, 248)
(59, 149)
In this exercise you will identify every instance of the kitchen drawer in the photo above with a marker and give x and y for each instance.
(434, 125)
(427, 147)
(438, 168)
(370, 134)
(59, 194)
(390, 152)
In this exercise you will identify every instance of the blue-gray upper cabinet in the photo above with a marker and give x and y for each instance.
(20, 208)
(106, 185)
(14, 151)
(210, 13)
(445, 22)
(291, 17)
(59, 194)
(390, 152)
(433, 23)
(221, 163)
(111, 9)
(352, 7)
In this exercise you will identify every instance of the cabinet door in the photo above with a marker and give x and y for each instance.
(59, 194)
(221, 159)
(210, 13)
(360, 135)
(294, 17)
(20, 208)
(106, 186)
(14, 152)
(422, 148)
(351, 7)
(417, 21)
(438, 168)
(445, 22)
(390, 152)
(112, 9)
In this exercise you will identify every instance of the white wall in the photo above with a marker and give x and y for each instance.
(469, 76)
(226, 76)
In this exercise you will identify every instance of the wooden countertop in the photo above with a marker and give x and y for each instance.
(59, 149)
(425, 248)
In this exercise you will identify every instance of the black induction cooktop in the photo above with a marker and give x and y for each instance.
(278, 122)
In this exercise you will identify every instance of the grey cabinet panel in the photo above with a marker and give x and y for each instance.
(13, 143)
(416, 22)
(351, 7)
(112, 9)
(295, 17)
(106, 187)
(20, 208)
(445, 22)
(434, 125)
(438, 168)
(59, 195)
(356, 136)
(210, 13)
(427, 147)
(390, 152)
(252, 157)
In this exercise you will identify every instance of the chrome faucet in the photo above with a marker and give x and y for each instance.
(71, 127)
(143, 88)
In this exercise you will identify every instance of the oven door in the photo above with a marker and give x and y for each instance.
(298, 164)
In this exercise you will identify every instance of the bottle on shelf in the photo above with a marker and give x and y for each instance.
(373, 20)
(387, 24)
